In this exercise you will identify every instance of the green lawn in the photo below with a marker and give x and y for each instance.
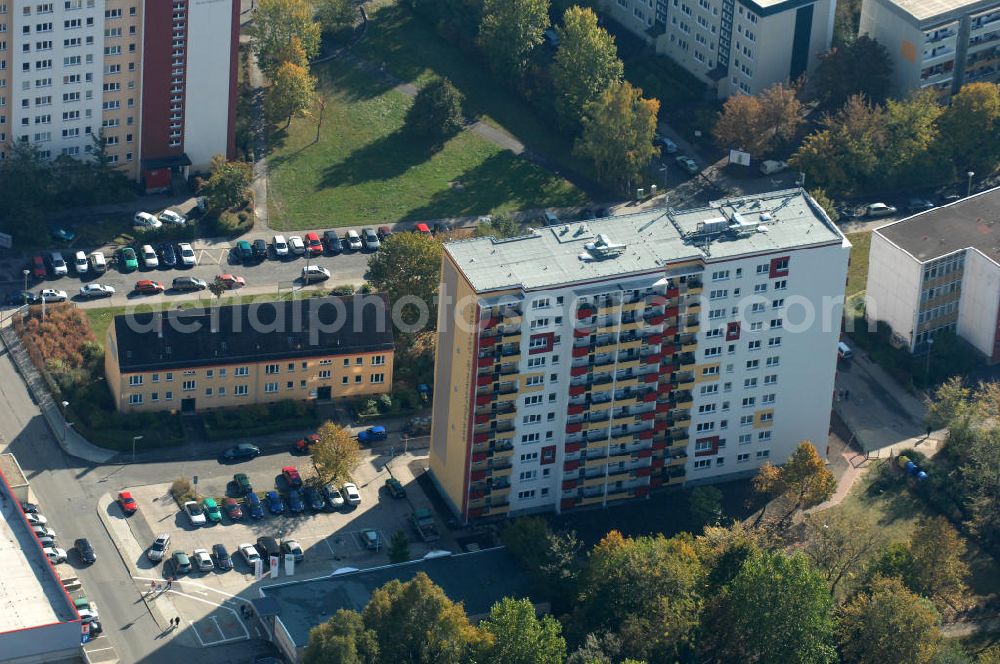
(366, 168)
(857, 273)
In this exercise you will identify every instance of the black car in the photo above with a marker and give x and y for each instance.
(295, 504)
(267, 547)
(168, 257)
(315, 499)
(188, 284)
(95, 627)
(29, 508)
(332, 242)
(86, 550)
(23, 297)
(259, 249)
(241, 451)
(223, 561)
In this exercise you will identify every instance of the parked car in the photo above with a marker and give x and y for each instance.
(85, 550)
(295, 245)
(259, 249)
(253, 506)
(231, 281)
(243, 251)
(395, 488)
(127, 261)
(280, 246)
(180, 563)
(370, 538)
(372, 434)
(127, 502)
(383, 232)
(58, 264)
(294, 548)
(666, 145)
(61, 233)
(423, 229)
(333, 496)
(242, 483)
(29, 508)
(370, 239)
(274, 503)
(37, 267)
(146, 220)
(232, 508)
(188, 284)
(240, 452)
(22, 297)
(44, 531)
(202, 560)
(687, 164)
(212, 512)
(96, 291)
(195, 513)
(313, 244)
(186, 253)
(313, 273)
(351, 494)
(55, 555)
(947, 199)
(304, 445)
(36, 519)
(80, 264)
(772, 166)
(352, 240)
(149, 259)
(171, 217)
(223, 561)
(159, 547)
(919, 205)
(148, 287)
(292, 477)
(880, 210)
(52, 295)
(249, 553)
(295, 503)
(167, 254)
(98, 263)
(331, 242)
(268, 546)
(314, 499)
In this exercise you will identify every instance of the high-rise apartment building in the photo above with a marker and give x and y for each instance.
(591, 362)
(939, 45)
(733, 46)
(156, 78)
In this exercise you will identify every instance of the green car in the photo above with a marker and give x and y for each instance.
(181, 562)
(243, 251)
(394, 487)
(212, 510)
(127, 260)
(242, 484)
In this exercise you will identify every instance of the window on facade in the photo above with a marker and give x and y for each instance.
(378, 378)
(241, 390)
(188, 385)
(135, 380)
(271, 369)
(270, 388)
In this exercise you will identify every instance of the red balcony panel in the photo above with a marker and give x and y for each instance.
(649, 397)
(475, 512)
(568, 485)
(652, 359)
(653, 339)
(655, 482)
(478, 475)
(643, 472)
(572, 447)
(488, 323)
(655, 320)
(670, 312)
(582, 332)
(641, 491)
(646, 435)
(574, 427)
(475, 494)
(669, 332)
(650, 378)
(645, 417)
(487, 360)
(567, 503)
(673, 292)
(582, 351)
(571, 465)
(481, 437)
(664, 388)
(483, 419)
(485, 342)
(585, 312)
(577, 390)
(482, 381)
(662, 407)
(578, 371)
(644, 454)
(478, 457)
(484, 400)
(668, 349)
(656, 463)
(575, 409)
(658, 444)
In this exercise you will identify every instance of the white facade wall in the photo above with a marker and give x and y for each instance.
(978, 308)
(904, 40)
(67, 57)
(206, 101)
(893, 290)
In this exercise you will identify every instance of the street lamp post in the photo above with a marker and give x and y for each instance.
(968, 191)
(65, 405)
(134, 439)
(927, 371)
(26, 273)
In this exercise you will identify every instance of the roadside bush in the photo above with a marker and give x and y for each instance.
(167, 232)
(183, 491)
(385, 403)
(347, 289)
(231, 222)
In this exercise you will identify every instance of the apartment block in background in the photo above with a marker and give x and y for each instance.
(940, 271)
(941, 45)
(237, 355)
(733, 46)
(593, 362)
(156, 77)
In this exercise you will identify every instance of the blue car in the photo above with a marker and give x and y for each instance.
(253, 506)
(372, 434)
(295, 503)
(274, 504)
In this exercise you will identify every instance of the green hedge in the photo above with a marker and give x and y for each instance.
(259, 419)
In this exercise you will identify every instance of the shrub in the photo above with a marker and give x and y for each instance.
(385, 403)
(347, 289)
(183, 491)
(436, 110)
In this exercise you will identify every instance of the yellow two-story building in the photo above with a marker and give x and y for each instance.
(196, 359)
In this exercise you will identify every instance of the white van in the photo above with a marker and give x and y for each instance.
(844, 351)
(97, 262)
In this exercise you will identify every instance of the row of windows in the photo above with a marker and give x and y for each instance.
(745, 421)
(944, 266)
(222, 372)
(701, 464)
(940, 291)
(243, 390)
(938, 312)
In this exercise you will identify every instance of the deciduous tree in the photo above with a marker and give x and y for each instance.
(804, 479)
(275, 24)
(586, 64)
(519, 637)
(705, 506)
(407, 268)
(939, 572)
(335, 14)
(399, 547)
(755, 124)
(499, 226)
(436, 110)
(292, 92)
(840, 546)
(861, 67)
(342, 639)
(969, 127)
(550, 558)
(336, 455)
(618, 130)
(888, 624)
(508, 33)
(227, 186)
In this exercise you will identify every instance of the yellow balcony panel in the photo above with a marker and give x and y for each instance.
(689, 348)
(635, 325)
(626, 401)
(480, 447)
(628, 364)
(692, 327)
(594, 481)
(617, 458)
(691, 290)
(595, 463)
(512, 338)
(675, 480)
(686, 385)
(598, 408)
(677, 461)
(638, 305)
(510, 396)
(497, 494)
(513, 319)
(499, 509)
(591, 500)
(596, 426)
(499, 455)
(618, 496)
(607, 328)
(479, 465)
(503, 472)
(506, 416)
(624, 419)
(477, 502)
(622, 383)
(629, 345)
(682, 424)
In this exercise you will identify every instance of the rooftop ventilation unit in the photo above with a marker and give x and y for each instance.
(602, 248)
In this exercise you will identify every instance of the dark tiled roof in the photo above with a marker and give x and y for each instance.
(253, 332)
(971, 222)
(478, 580)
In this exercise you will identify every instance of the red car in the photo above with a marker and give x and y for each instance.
(313, 244)
(304, 445)
(38, 270)
(292, 477)
(127, 503)
(148, 286)
(424, 229)
(232, 508)
(231, 281)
